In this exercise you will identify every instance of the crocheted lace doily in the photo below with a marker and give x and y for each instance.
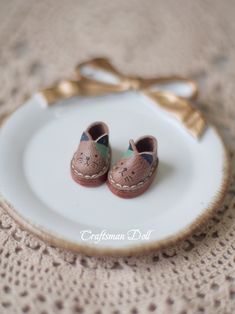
(42, 41)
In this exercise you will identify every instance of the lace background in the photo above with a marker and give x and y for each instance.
(42, 41)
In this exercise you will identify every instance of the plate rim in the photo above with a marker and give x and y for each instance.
(53, 239)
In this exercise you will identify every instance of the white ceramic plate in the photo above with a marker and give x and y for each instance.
(36, 146)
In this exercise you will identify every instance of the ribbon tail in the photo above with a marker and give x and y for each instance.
(195, 123)
(60, 91)
(192, 119)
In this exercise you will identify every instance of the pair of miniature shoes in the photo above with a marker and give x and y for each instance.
(129, 177)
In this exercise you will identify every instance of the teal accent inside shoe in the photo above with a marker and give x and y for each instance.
(128, 153)
(102, 149)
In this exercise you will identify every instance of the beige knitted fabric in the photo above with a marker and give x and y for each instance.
(42, 41)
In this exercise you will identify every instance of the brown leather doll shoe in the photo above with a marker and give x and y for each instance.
(91, 161)
(133, 174)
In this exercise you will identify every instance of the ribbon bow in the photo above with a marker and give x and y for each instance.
(99, 77)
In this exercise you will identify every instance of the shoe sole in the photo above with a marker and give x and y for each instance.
(133, 193)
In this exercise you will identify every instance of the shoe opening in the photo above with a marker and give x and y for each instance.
(146, 144)
(97, 130)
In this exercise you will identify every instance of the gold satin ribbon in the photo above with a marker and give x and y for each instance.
(99, 77)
